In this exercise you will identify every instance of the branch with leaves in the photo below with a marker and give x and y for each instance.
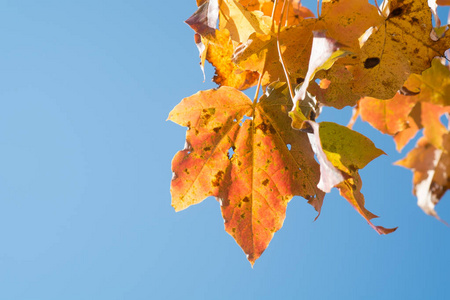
(254, 156)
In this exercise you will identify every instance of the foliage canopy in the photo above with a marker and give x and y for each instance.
(254, 156)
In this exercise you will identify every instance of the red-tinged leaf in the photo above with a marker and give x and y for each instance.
(388, 116)
(204, 20)
(431, 169)
(269, 164)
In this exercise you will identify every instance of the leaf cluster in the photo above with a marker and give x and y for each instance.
(255, 155)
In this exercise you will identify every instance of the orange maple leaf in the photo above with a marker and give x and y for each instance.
(248, 156)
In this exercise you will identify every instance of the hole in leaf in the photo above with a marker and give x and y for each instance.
(244, 118)
(289, 146)
(230, 152)
(371, 62)
(444, 120)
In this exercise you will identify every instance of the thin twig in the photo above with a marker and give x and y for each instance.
(318, 8)
(287, 13)
(379, 9)
(259, 83)
(273, 14)
(281, 56)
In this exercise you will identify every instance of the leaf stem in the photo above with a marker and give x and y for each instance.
(318, 8)
(291, 92)
(273, 14)
(255, 100)
(379, 9)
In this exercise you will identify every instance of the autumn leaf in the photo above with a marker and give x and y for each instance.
(431, 168)
(324, 52)
(397, 47)
(296, 12)
(260, 52)
(433, 85)
(204, 20)
(218, 52)
(248, 157)
(240, 22)
(346, 20)
(388, 116)
(334, 88)
(341, 153)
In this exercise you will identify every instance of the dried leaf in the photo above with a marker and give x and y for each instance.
(431, 168)
(204, 20)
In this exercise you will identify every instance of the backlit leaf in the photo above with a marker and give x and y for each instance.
(218, 53)
(254, 164)
(397, 47)
(341, 153)
(431, 168)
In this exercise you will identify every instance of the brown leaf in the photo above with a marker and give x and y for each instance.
(269, 162)
(204, 20)
(431, 168)
(350, 189)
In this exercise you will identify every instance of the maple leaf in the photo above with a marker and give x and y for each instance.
(269, 164)
(431, 168)
(403, 116)
(219, 50)
(334, 88)
(240, 22)
(388, 116)
(295, 11)
(433, 85)
(399, 46)
(260, 52)
(341, 153)
(324, 52)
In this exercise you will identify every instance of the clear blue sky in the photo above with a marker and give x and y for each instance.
(85, 153)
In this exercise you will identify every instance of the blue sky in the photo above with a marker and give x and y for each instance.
(85, 153)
